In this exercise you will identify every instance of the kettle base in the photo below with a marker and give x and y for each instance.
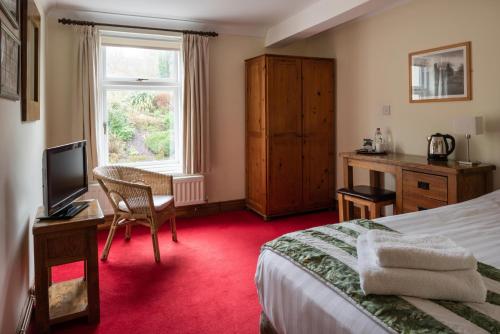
(437, 158)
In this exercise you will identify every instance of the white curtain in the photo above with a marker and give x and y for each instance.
(196, 104)
(87, 90)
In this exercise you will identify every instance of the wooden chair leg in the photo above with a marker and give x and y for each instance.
(342, 207)
(173, 228)
(128, 231)
(348, 210)
(156, 246)
(364, 212)
(374, 211)
(111, 235)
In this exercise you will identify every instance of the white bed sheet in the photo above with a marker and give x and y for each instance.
(297, 303)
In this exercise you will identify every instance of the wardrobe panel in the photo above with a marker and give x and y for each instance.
(318, 130)
(256, 185)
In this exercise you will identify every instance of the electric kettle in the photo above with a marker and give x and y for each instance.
(440, 147)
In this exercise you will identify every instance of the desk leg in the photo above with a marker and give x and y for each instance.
(376, 179)
(399, 192)
(92, 276)
(348, 183)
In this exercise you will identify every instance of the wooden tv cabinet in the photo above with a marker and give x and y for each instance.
(58, 242)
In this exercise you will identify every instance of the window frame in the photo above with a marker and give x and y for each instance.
(171, 166)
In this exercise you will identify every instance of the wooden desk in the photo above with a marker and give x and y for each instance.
(59, 242)
(421, 184)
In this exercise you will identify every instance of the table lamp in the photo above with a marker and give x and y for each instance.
(469, 125)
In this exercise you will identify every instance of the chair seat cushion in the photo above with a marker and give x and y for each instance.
(161, 202)
(369, 193)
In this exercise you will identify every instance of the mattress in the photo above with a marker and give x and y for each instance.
(295, 301)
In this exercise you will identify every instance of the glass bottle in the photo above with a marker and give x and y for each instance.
(379, 141)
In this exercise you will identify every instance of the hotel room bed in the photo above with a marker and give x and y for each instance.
(294, 300)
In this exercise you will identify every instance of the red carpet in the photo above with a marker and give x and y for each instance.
(204, 283)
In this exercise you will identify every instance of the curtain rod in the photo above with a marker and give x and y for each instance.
(90, 23)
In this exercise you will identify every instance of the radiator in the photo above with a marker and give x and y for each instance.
(188, 190)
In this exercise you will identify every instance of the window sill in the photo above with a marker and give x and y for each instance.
(163, 167)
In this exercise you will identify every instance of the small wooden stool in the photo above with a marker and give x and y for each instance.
(369, 198)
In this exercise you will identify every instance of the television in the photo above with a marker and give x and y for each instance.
(64, 180)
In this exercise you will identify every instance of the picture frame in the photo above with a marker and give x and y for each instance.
(441, 74)
(11, 9)
(30, 61)
(10, 61)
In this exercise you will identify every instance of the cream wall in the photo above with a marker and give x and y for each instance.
(372, 70)
(21, 147)
(227, 111)
(226, 181)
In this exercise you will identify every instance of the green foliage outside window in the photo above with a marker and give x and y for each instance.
(140, 126)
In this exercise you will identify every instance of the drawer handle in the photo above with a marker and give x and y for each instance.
(423, 185)
(421, 208)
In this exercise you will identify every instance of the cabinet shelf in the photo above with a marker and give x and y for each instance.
(68, 300)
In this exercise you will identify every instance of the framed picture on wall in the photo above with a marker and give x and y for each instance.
(30, 61)
(441, 74)
(11, 10)
(10, 52)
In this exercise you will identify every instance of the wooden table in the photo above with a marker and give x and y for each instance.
(421, 184)
(59, 242)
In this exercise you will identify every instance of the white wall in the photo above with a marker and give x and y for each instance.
(226, 181)
(372, 70)
(21, 147)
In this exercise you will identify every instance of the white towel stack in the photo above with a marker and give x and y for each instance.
(425, 266)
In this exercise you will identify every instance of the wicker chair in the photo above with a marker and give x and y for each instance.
(137, 197)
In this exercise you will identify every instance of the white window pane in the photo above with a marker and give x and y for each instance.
(132, 63)
(141, 125)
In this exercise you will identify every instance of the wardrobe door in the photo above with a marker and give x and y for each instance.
(256, 134)
(284, 94)
(318, 133)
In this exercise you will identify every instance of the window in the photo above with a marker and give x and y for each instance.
(141, 101)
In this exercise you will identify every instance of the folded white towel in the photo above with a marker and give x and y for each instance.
(457, 285)
(431, 252)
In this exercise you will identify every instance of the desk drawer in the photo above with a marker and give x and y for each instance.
(430, 186)
(419, 203)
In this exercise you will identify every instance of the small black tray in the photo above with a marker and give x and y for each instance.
(367, 152)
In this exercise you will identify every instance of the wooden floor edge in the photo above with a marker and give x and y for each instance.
(25, 318)
(198, 210)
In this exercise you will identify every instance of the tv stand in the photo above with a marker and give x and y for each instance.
(59, 242)
(67, 212)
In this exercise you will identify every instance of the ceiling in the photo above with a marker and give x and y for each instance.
(234, 12)
(279, 21)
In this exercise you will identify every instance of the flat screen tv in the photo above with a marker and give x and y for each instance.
(64, 179)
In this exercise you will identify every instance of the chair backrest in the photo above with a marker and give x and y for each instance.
(125, 184)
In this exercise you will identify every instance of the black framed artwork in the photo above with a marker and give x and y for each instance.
(10, 52)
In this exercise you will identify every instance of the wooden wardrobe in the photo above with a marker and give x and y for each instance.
(289, 134)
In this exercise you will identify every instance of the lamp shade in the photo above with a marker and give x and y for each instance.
(470, 125)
